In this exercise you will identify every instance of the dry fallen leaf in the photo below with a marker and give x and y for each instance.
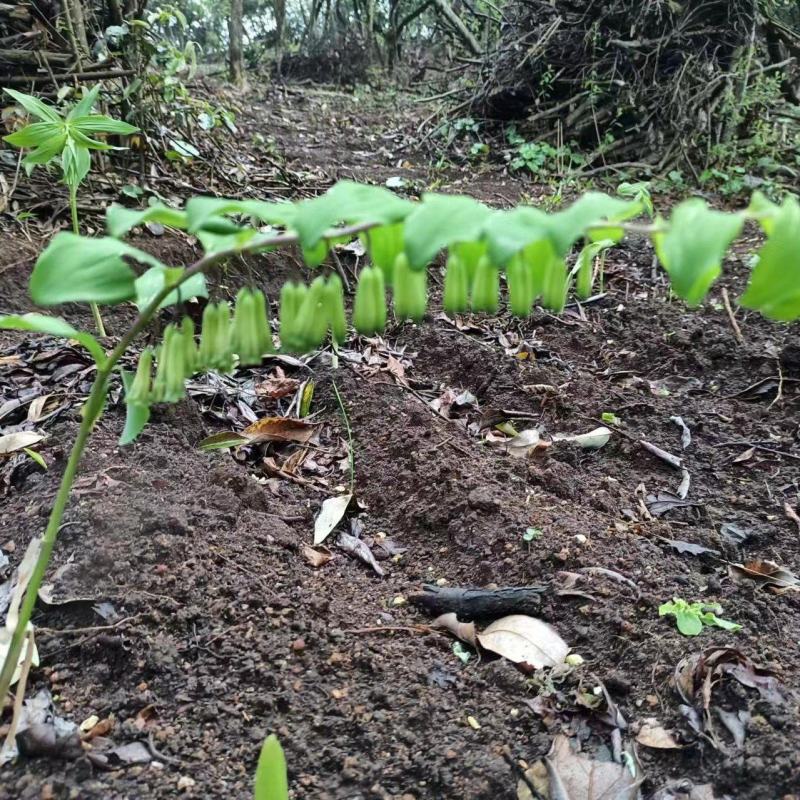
(685, 790)
(593, 440)
(745, 456)
(102, 728)
(535, 776)
(465, 631)
(317, 557)
(277, 385)
(686, 434)
(333, 509)
(689, 547)
(771, 576)
(36, 408)
(40, 731)
(653, 734)
(525, 641)
(125, 755)
(666, 457)
(442, 404)
(395, 367)
(279, 429)
(577, 777)
(791, 514)
(146, 717)
(525, 443)
(699, 676)
(359, 549)
(12, 442)
(295, 461)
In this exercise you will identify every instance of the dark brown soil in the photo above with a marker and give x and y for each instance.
(225, 633)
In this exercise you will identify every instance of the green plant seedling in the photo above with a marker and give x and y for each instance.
(610, 418)
(532, 535)
(66, 139)
(461, 653)
(692, 617)
(271, 780)
(36, 457)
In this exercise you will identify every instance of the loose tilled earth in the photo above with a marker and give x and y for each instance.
(183, 604)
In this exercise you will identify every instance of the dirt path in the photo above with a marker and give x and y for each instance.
(219, 630)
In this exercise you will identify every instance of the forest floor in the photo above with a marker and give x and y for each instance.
(185, 609)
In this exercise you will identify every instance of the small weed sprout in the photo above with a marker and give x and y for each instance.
(692, 617)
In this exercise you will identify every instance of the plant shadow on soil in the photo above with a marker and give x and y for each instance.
(230, 634)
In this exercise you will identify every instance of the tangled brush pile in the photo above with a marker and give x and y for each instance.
(656, 81)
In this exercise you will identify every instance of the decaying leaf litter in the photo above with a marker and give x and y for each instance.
(225, 622)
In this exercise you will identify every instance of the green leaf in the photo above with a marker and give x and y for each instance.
(83, 142)
(764, 211)
(690, 617)
(36, 134)
(691, 251)
(97, 123)
(774, 287)
(86, 104)
(725, 624)
(271, 781)
(639, 191)
(583, 266)
(132, 190)
(34, 106)
(689, 624)
(384, 244)
(47, 151)
(202, 211)
(54, 326)
(154, 280)
(594, 208)
(222, 441)
(350, 203)
(83, 269)
(136, 415)
(223, 242)
(75, 163)
(509, 232)
(37, 457)
(440, 221)
(120, 220)
(315, 255)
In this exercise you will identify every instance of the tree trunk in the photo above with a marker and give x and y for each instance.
(235, 43)
(370, 33)
(76, 27)
(279, 9)
(458, 26)
(115, 12)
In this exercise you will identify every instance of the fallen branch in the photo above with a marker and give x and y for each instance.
(731, 318)
(23, 80)
(470, 604)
